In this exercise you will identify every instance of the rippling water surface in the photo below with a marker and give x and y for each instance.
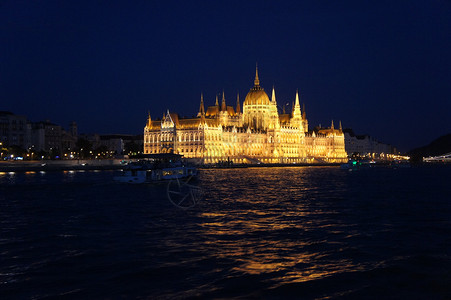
(271, 233)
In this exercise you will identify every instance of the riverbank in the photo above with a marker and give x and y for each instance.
(237, 166)
(117, 164)
(60, 165)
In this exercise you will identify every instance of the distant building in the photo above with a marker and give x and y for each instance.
(53, 135)
(257, 133)
(37, 136)
(14, 130)
(68, 141)
(115, 143)
(118, 142)
(51, 138)
(136, 139)
(73, 129)
(365, 145)
(93, 139)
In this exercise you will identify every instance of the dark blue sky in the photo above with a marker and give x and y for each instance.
(381, 67)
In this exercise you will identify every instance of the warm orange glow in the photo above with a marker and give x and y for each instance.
(257, 135)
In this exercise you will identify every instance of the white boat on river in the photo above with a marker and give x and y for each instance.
(155, 168)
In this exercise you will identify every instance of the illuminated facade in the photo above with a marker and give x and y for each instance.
(255, 134)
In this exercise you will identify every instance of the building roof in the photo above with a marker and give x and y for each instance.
(327, 131)
(256, 96)
(284, 118)
(212, 111)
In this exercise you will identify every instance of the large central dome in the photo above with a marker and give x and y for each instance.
(258, 112)
(257, 95)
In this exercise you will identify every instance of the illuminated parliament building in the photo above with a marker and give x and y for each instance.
(255, 133)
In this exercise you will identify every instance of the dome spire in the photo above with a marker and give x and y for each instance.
(256, 81)
(238, 109)
(297, 98)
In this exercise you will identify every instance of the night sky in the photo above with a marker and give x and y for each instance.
(381, 67)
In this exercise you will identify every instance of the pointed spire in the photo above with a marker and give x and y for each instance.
(256, 81)
(168, 118)
(303, 111)
(217, 103)
(238, 108)
(201, 108)
(149, 120)
(332, 125)
(341, 128)
(223, 104)
(297, 108)
(273, 97)
(297, 98)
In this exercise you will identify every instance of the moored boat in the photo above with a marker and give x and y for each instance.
(155, 168)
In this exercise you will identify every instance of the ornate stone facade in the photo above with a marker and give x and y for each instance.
(258, 134)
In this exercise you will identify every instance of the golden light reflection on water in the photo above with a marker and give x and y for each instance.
(251, 246)
(263, 228)
(254, 255)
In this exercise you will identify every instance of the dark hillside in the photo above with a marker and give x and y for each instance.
(442, 145)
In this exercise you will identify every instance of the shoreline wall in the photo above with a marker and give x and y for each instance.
(115, 164)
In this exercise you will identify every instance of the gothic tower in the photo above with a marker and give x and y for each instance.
(258, 110)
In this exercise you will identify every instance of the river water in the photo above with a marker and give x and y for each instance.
(258, 233)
